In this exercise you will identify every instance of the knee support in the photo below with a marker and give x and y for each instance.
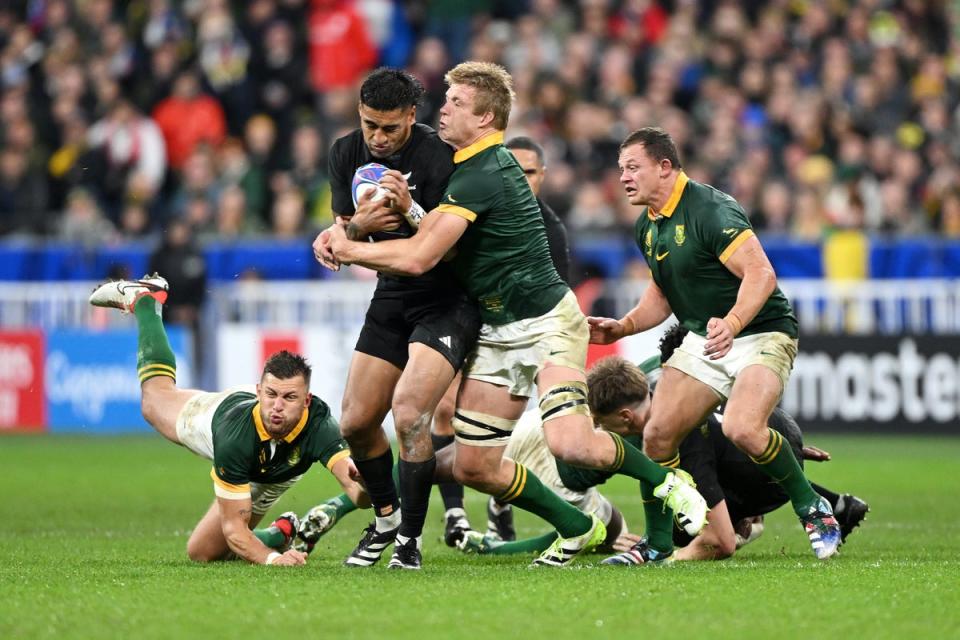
(481, 430)
(564, 399)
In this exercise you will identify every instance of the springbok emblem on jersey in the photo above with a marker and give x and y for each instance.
(680, 235)
(648, 242)
(294, 457)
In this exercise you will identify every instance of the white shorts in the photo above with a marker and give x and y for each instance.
(195, 432)
(528, 446)
(774, 350)
(511, 355)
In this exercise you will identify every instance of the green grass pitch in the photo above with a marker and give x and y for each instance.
(94, 530)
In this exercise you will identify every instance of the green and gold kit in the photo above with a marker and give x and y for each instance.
(243, 451)
(581, 479)
(686, 246)
(503, 259)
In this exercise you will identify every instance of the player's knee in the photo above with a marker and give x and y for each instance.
(197, 551)
(569, 449)
(470, 475)
(657, 441)
(150, 408)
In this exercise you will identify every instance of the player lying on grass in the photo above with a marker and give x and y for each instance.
(260, 443)
(736, 491)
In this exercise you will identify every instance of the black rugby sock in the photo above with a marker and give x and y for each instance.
(378, 477)
(451, 492)
(416, 480)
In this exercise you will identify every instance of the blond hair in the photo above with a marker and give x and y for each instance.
(493, 85)
(615, 383)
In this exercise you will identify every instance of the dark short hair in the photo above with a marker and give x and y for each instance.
(614, 383)
(387, 89)
(671, 340)
(527, 144)
(657, 143)
(284, 365)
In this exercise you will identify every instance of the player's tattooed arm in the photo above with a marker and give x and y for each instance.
(235, 518)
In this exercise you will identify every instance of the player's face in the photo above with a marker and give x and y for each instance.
(385, 132)
(459, 126)
(627, 421)
(282, 402)
(532, 168)
(641, 175)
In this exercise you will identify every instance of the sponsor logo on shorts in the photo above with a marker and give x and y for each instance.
(447, 342)
(661, 256)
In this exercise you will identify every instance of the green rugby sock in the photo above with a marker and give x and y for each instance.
(530, 545)
(271, 537)
(154, 355)
(343, 504)
(778, 462)
(527, 492)
(632, 462)
(659, 519)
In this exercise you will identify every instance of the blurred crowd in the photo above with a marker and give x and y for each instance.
(123, 119)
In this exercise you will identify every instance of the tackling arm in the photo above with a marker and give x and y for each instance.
(412, 256)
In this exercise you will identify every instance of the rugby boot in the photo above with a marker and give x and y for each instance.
(371, 546)
(822, 529)
(563, 550)
(406, 555)
(123, 294)
(500, 521)
(679, 492)
(455, 526)
(850, 512)
(638, 554)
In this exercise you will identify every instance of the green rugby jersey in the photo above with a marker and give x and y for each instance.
(503, 259)
(686, 246)
(243, 451)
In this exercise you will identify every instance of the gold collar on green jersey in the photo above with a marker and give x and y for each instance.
(290, 437)
(672, 201)
(487, 141)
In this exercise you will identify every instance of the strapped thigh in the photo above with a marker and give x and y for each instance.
(564, 399)
(481, 430)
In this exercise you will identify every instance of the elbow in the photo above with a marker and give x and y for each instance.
(416, 265)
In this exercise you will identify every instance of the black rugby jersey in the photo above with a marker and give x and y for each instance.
(429, 162)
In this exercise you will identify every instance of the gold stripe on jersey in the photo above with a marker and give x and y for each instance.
(456, 210)
(228, 491)
(673, 200)
(290, 437)
(337, 457)
(482, 144)
(258, 423)
(745, 235)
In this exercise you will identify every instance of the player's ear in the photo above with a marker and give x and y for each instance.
(486, 118)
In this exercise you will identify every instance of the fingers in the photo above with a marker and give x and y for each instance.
(719, 339)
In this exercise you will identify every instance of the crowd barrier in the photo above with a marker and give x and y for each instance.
(270, 259)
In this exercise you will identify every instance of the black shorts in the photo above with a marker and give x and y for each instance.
(447, 322)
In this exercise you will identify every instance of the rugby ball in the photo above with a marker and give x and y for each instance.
(366, 178)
